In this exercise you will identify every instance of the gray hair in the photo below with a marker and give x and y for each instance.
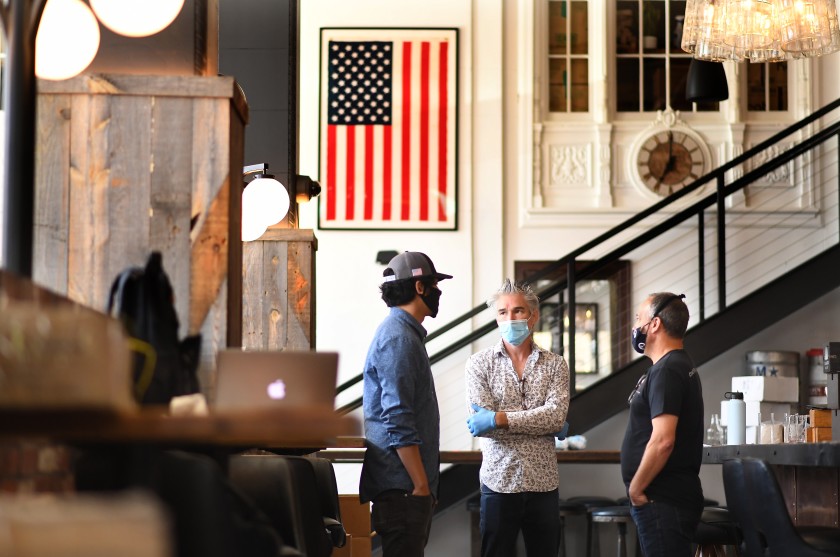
(508, 287)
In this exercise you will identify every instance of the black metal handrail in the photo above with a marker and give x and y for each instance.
(697, 209)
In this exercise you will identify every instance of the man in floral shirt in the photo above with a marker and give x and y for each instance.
(518, 396)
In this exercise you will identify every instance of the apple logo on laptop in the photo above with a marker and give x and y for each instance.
(277, 390)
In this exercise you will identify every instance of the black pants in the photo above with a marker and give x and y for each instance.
(403, 522)
(503, 515)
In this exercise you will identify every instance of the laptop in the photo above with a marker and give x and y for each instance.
(261, 380)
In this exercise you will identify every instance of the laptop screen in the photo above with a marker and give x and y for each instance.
(257, 380)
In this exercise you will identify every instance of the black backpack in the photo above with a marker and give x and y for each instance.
(163, 366)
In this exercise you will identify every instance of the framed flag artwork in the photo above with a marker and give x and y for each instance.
(388, 136)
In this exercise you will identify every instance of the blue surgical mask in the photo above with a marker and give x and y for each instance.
(515, 331)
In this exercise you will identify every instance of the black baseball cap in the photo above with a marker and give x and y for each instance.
(412, 264)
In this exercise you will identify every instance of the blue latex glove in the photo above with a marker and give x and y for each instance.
(563, 432)
(482, 421)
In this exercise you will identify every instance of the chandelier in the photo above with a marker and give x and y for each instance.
(760, 30)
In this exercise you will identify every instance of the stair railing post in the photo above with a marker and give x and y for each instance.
(701, 262)
(570, 286)
(721, 243)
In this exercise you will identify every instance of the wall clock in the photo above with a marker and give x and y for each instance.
(669, 159)
(667, 156)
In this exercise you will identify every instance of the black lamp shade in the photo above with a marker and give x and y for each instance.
(706, 82)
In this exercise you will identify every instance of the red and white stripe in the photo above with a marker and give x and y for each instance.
(402, 175)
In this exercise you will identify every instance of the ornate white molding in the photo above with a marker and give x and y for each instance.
(569, 165)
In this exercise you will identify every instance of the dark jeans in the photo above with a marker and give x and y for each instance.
(503, 515)
(665, 530)
(403, 522)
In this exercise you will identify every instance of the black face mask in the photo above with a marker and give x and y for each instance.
(432, 300)
(638, 339)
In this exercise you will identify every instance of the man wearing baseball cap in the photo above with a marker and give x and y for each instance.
(402, 422)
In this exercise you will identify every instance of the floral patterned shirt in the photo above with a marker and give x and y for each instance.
(522, 457)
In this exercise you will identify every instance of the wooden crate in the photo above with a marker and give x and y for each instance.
(127, 164)
(278, 291)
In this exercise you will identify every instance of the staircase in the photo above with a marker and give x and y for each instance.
(748, 243)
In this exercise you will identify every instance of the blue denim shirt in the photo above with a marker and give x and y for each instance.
(400, 405)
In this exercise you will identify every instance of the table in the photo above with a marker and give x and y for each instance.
(808, 474)
(290, 428)
(350, 450)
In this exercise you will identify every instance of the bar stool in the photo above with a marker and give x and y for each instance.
(570, 508)
(620, 516)
(770, 517)
(717, 529)
(474, 508)
(591, 502)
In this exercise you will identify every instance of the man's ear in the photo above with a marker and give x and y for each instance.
(419, 287)
(655, 324)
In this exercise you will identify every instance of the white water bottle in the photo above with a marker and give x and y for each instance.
(736, 419)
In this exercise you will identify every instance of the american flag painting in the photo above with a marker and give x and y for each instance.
(387, 129)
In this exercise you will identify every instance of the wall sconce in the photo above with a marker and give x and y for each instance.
(264, 201)
(68, 34)
(306, 188)
(67, 39)
(137, 18)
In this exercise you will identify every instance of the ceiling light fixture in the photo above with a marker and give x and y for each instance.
(67, 39)
(760, 30)
(136, 18)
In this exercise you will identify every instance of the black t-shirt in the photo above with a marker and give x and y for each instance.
(671, 386)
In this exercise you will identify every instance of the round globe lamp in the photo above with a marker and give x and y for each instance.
(67, 39)
(264, 202)
(136, 18)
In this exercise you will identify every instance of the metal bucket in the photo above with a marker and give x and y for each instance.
(773, 363)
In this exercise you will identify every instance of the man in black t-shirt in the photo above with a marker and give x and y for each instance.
(663, 445)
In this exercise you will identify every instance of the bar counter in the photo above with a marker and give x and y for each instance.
(808, 474)
(785, 454)
(352, 450)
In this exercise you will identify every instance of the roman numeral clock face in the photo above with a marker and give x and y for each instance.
(668, 161)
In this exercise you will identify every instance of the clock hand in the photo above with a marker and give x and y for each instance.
(669, 164)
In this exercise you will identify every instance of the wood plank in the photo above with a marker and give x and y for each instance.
(170, 193)
(290, 235)
(125, 170)
(236, 153)
(786, 475)
(52, 192)
(276, 292)
(90, 118)
(223, 87)
(300, 330)
(209, 261)
(253, 332)
(816, 496)
(210, 240)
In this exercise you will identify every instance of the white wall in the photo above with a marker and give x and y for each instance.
(348, 303)
(489, 239)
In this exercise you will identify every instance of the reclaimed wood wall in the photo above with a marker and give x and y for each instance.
(278, 284)
(128, 164)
